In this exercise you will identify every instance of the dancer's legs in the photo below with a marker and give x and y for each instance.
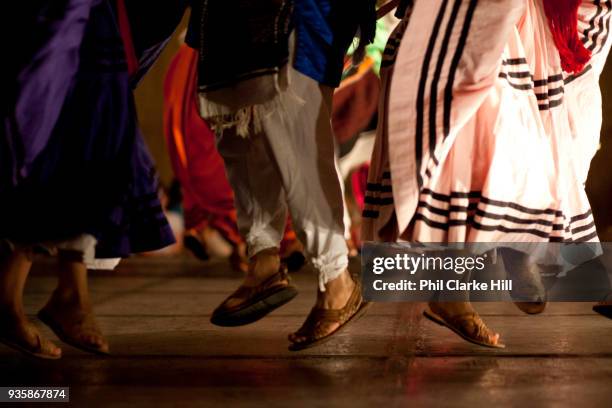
(15, 327)
(456, 310)
(302, 146)
(260, 204)
(292, 163)
(70, 309)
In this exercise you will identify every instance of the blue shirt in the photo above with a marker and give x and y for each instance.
(324, 31)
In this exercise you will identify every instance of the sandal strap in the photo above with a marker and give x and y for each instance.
(43, 346)
(39, 344)
(319, 316)
(280, 277)
(337, 315)
(478, 329)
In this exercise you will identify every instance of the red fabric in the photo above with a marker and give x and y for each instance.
(359, 180)
(126, 35)
(207, 196)
(355, 102)
(563, 22)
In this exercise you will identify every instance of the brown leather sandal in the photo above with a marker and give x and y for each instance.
(312, 328)
(469, 326)
(42, 349)
(70, 336)
(257, 301)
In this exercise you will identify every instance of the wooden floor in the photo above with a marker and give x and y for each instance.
(166, 353)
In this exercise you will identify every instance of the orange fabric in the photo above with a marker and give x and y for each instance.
(207, 196)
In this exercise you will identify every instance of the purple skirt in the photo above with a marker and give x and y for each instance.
(72, 160)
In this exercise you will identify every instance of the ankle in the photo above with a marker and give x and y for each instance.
(70, 297)
(341, 283)
(337, 292)
(265, 263)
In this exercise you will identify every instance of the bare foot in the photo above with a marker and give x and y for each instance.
(336, 295)
(74, 322)
(472, 326)
(18, 332)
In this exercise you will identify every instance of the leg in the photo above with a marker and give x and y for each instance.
(461, 318)
(226, 227)
(302, 145)
(69, 312)
(15, 269)
(526, 275)
(15, 328)
(258, 196)
(455, 311)
(261, 217)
